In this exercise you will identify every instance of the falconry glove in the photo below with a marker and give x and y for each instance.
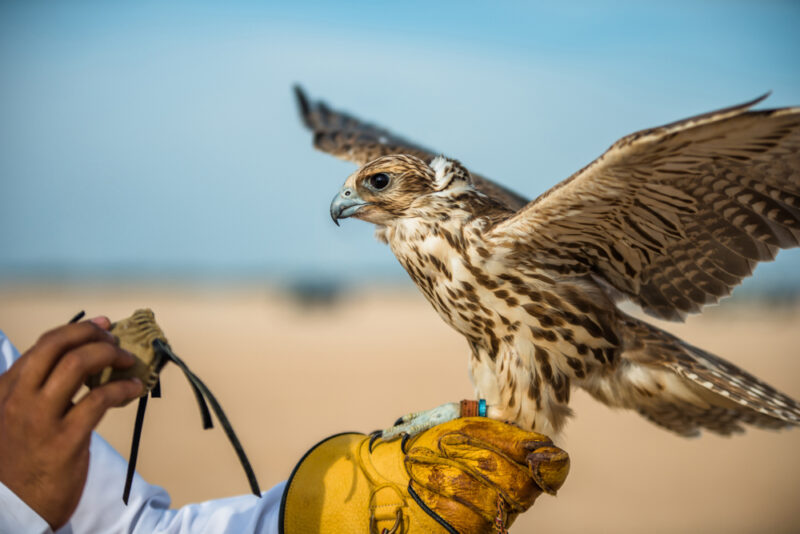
(141, 336)
(470, 475)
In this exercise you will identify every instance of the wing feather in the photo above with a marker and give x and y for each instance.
(351, 139)
(674, 216)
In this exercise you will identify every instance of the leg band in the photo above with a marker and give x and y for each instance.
(472, 408)
(469, 408)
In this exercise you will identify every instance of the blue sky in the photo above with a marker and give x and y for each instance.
(161, 138)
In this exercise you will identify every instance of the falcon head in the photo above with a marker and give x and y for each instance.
(391, 186)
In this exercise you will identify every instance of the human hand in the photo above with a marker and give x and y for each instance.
(44, 436)
(478, 474)
(469, 475)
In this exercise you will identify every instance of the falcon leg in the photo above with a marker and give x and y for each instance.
(414, 423)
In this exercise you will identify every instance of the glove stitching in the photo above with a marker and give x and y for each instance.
(378, 482)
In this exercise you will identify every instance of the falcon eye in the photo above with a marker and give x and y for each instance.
(379, 181)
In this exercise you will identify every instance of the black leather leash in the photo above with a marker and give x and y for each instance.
(203, 396)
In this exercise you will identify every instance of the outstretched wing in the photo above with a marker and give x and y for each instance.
(675, 216)
(349, 138)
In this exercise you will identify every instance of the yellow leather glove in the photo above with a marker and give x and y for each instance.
(470, 475)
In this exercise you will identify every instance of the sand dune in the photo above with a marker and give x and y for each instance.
(289, 376)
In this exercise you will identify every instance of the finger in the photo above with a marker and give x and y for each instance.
(501, 452)
(512, 440)
(549, 468)
(102, 321)
(485, 466)
(448, 479)
(461, 515)
(40, 359)
(75, 366)
(82, 418)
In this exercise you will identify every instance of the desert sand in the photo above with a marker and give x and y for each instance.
(289, 375)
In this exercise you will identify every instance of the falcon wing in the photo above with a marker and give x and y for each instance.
(675, 216)
(348, 138)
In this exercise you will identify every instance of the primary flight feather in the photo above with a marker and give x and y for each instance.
(672, 218)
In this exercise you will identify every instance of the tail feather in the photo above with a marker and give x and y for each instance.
(686, 389)
(688, 419)
(772, 408)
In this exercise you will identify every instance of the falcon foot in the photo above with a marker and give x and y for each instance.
(414, 423)
(549, 465)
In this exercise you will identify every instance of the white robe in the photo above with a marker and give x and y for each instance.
(101, 510)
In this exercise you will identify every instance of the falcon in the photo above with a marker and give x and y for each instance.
(671, 218)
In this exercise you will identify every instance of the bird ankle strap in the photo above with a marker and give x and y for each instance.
(473, 408)
(141, 336)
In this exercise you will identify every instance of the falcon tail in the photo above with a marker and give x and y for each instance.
(686, 389)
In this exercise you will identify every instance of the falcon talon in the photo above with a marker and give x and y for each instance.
(373, 437)
(400, 421)
(404, 442)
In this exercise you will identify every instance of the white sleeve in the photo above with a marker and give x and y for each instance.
(8, 354)
(16, 516)
(101, 509)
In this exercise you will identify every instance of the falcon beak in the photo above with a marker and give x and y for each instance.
(345, 204)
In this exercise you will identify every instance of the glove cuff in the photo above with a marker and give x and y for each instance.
(291, 492)
(339, 486)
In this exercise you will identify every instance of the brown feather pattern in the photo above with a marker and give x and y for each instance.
(675, 217)
(672, 217)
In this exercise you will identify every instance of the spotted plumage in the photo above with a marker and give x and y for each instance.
(672, 218)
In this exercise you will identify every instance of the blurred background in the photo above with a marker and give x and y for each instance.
(151, 155)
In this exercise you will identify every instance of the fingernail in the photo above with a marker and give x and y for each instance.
(102, 321)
